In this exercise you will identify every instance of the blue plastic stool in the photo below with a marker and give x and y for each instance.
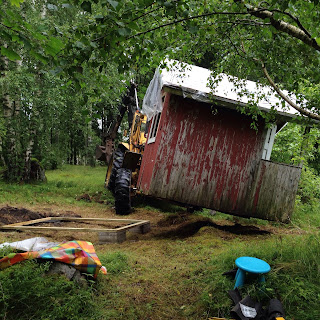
(252, 265)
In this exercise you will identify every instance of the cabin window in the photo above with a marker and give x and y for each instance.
(268, 144)
(154, 128)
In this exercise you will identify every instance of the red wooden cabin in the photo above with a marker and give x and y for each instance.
(202, 152)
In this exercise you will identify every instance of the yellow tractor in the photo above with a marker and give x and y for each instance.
(124, 163)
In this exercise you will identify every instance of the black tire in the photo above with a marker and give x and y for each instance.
(122, 192)
(116, 165)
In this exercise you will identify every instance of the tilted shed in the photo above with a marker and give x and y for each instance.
(201, 151)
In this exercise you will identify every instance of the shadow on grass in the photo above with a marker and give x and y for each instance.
(190, 228)
(145, 202)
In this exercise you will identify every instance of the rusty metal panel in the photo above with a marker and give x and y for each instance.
(206, 156)
(273, 191)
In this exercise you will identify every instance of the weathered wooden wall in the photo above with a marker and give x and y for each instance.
(273, 191)
(201, 157)
(212, 158)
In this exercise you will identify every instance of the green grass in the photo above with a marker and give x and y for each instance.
(63, 186)
(188, 281)
(117, 262)
(307, 215)
(166, 280)
(294, 276)
(161, 277)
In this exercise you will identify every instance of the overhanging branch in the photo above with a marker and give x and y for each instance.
(187, 19)
(285, 27)
(285, 97)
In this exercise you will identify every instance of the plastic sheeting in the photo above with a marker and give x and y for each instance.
(32, 244)
(152, 103)
(197, 83)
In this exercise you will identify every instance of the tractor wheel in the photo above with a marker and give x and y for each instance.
(122, 192)
(115, 164)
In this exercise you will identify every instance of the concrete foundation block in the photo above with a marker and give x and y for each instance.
(145, 228)
(112, 237)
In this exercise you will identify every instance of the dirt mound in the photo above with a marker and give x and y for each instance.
(84, 197)
(174, 219)
(183, 226)
(9, 215)
(186, 229)
(92, 198)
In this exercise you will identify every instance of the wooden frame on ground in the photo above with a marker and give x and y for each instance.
(105, 235)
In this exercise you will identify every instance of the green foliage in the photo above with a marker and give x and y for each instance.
(294, 146)
(75, 55)
(51, 121)
(16, 2)
(10, 54)
(307, 215)
(309, 186)
(51, 161)
(45, 112)
(287, 145)
(27, 293)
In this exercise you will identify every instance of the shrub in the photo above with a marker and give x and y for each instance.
(51, 161)
(309, 186)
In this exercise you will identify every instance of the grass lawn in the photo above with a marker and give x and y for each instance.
(173, 272)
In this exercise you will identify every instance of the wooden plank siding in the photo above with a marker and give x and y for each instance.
(201, 156)
(273, 191)
(210, 157)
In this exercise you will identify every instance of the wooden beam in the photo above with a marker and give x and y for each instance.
(133, 225)
(56, 229)
(27, 225)
(91, 219)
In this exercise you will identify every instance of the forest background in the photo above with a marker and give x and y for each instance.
(65, 66)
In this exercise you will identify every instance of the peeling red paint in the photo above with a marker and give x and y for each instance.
(200, 153)
(204, 158)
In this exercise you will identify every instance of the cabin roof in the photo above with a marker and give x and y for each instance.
(198, 84)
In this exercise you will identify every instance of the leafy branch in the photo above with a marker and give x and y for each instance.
(204, 15)
(297, 21)
(298, 33)
(285, 97)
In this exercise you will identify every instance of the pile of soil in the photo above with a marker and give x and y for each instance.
(174, 219)
(9, 215)
(183, 225)
(93, 198)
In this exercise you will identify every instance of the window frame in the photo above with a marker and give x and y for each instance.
(154, 128)
(268, 143)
